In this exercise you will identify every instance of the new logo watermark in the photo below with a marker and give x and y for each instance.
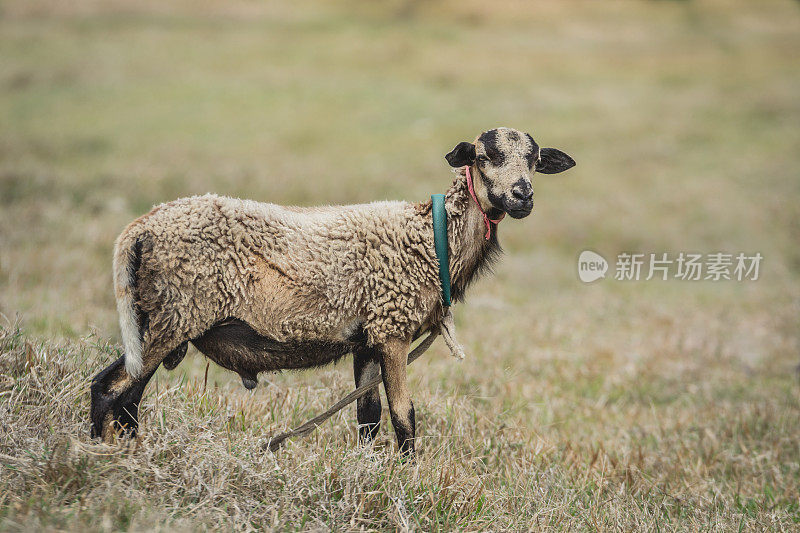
(684, 266)
(591, 266)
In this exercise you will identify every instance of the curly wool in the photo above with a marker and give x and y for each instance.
(299, 274)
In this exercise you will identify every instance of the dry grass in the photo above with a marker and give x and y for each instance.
(603, 442)
(649, 405)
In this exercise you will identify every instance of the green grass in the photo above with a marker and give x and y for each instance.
(645, 405)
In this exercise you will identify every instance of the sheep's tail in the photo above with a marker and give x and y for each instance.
(127, 259)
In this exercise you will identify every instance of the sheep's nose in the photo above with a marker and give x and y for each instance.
(523, 193)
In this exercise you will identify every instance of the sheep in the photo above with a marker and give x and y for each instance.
(260, 287)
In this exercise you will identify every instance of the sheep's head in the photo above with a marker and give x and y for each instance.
(502, 163)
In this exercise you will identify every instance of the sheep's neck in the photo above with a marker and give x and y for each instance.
(470, 252)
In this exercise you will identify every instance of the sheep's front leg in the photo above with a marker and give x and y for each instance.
(394, 355)
(366, 365)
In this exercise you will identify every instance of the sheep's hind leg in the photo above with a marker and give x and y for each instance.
(115, 400)
(366, 365)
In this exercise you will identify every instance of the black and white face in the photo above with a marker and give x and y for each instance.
(503, 162)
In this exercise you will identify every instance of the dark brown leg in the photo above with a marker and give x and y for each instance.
(115, 400)
(366, 365)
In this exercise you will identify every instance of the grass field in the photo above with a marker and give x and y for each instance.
(650, 405)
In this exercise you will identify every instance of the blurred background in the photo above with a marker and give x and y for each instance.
(683, 117)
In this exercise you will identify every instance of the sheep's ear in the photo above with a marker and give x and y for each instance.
(463, 154)
(553, 161)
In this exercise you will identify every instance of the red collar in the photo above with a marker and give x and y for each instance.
(486, 218)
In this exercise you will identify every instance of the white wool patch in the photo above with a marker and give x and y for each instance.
(128, 322)
(130, 336)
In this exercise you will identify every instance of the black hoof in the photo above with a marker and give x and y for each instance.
(368, 432)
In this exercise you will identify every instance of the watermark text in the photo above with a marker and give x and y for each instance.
(717, 266)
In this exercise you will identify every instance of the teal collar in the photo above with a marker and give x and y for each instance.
(440, 244)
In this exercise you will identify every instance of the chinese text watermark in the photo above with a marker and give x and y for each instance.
(715, 266)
